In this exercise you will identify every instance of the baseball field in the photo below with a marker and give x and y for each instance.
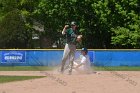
(45, 80)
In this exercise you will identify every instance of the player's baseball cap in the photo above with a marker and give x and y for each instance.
(84, 49)
(73, 23)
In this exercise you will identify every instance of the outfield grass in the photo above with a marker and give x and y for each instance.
(4, 79)
(119, 68)
(45, 68)
(25, 68)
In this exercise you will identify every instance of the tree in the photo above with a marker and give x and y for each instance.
(12, 32)
(107, 23)
(126, 29)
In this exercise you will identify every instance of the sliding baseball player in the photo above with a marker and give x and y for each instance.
(84, 65)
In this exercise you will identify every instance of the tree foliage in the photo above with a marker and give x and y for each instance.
(12, 32)
(103, 23)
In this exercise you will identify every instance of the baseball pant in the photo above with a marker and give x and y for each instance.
(69, 53)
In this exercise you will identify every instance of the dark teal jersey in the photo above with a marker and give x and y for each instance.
(71, 36)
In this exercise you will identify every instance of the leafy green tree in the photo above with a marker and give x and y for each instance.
(107, 23)
(12, 32)
(125, 32)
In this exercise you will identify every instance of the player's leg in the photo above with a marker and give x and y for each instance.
(72, 56)
(65, 57)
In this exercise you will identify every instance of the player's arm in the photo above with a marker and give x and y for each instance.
(83, 62)
(64, 29)
(79, 35)
(75, 64)
(79, 65)
(76, 35)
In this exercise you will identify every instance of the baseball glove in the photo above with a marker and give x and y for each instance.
(79, 38)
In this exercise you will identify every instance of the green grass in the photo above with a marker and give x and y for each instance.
(46, 68)
(25, 68)
(119, 68)
(4, 79)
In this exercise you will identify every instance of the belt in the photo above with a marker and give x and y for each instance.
(71, 43)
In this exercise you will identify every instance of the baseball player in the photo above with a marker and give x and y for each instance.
(84, 65)
(72, 38)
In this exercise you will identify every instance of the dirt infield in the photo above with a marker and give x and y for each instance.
(102, 82)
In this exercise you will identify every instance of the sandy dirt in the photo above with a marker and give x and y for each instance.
(101, 82)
